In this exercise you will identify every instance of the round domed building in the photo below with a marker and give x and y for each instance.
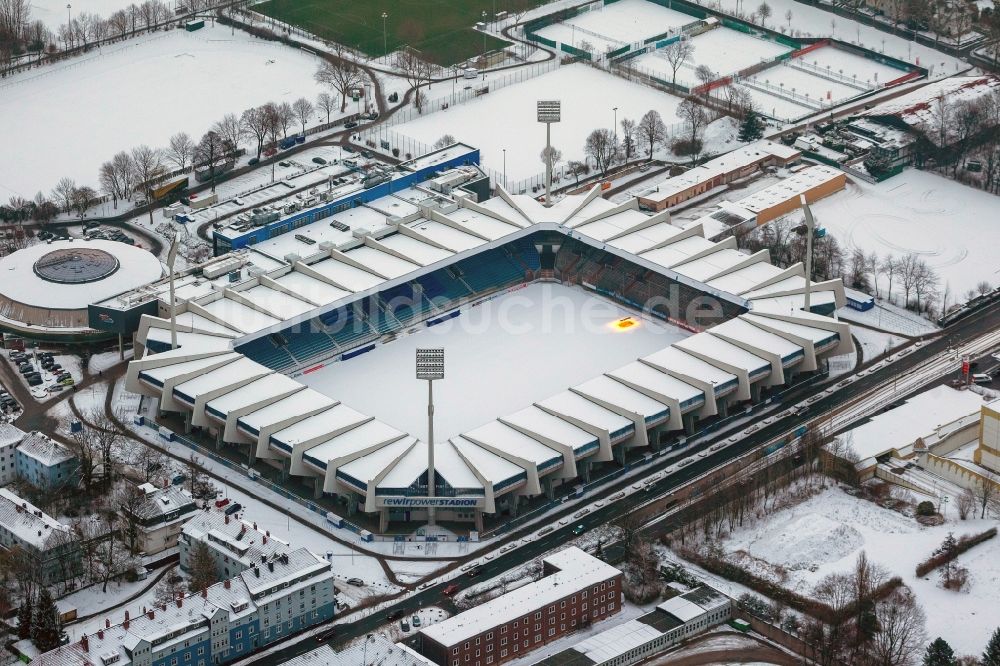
(45, 289)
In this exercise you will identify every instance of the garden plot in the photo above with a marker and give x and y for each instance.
(839, 63)
(67, 119)
(724, 51)
(616, 25)
(825, 533)
(951, 226)
(505, 120)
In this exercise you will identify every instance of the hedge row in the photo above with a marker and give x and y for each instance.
(794, 600)
(963, 544)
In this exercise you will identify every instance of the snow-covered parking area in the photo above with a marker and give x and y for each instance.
(505, 120)
(949, 225)
(825, 533)
(142, 91)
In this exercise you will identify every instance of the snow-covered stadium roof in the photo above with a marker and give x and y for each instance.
(324, 437)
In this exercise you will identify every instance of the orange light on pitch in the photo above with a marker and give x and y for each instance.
(624, 324)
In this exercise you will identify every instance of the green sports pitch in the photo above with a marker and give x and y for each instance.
(442, 30)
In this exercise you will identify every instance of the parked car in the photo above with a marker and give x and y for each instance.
(350, 124)
(415, 620)
(451, 590)
(324, 636)
(270, 151)
(34, 381)
(404, 625)
(475, 571)
(233, 508)
(356, 582)
(319, 160)
(253, 161)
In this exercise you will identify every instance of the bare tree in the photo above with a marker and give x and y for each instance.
(303, 110)
(256, 121)
(341, 73)
(416, 71)
(231, 131)
(965, 503)
(180, 149)
(577, 168)
(705, 74)
(326, 103)
(285, 117)
(628, 137)
(652, 131)
(602, 147)
(925, 283)
(445, 141)
(764, 12)
(83, 198)
(148, 164)
(62, 193)
(694, 116)
(983, 288)
(550, 157)
(984, 489)
(210, 152)
(107, 176)
(272, 124)
(130, 501)
(901, 629)
(677, 53)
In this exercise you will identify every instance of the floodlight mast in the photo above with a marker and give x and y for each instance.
(810, 227)
(549, 111)
(430, 366)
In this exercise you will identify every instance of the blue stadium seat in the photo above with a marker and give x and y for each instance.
(263, 351)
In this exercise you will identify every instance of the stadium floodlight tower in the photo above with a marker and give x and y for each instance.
(810, 229)
(549, 111)
(430, 366)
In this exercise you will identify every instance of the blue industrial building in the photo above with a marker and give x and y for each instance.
(356, 193)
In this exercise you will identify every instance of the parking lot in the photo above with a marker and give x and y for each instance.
(44, 372)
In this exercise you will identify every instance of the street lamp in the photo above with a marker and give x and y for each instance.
(614, 128)
(505, 168)
(385, 48)
(484, 41)
(69, 24)
(430, 366)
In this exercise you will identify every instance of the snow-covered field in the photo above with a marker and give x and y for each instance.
(949, 225)
(855, 67)
(611, 26)
(506, 119)
(825, 533)
(53, 12)
(810, 21)
(875, 343)
(722, 50)
(142, 91)
(503, 355)
(888, 317)
(801, 82)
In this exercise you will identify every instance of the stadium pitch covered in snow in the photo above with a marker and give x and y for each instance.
(518, 348)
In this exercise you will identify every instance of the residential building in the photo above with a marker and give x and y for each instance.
(39, 537)
(636, 640)
(45, 463)
(160, 518)
(235, 544)
(10, 437)
(575, 590)
(291, 591)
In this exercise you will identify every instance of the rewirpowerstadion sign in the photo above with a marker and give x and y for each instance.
(425, 502)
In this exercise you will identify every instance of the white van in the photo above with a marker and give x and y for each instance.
(982, 378)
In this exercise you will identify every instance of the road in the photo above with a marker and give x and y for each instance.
(831, 409)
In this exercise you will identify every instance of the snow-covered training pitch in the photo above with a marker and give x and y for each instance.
(500, 356)
(609, 26)
(142, 91)
(505, 120)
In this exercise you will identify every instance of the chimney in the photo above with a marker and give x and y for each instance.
(268, 533)
(227, 520)
(100, 634)
(256, 572)
(204, 593)
(151, 614)
(180, 601)
(255, 525)
(265, 541)
(270, 566)
(107, 623)
(85, 643)
(125, 623)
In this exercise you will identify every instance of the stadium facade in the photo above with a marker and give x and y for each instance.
(415, 258)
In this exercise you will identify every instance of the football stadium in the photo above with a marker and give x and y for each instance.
(576, 337)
